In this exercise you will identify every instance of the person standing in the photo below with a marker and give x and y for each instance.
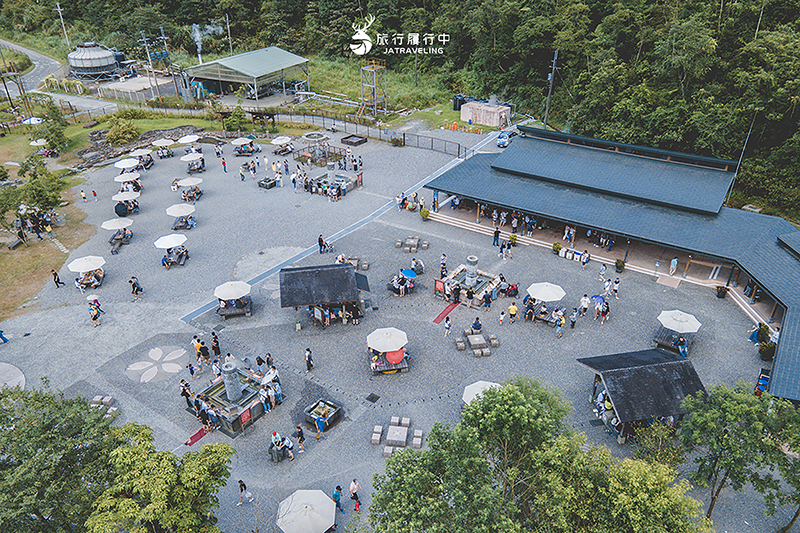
(224, 166)
(559, 325)
(215, 344)
(56, 279)
(470, 296)
(585, 259)
(186, 392)
(585, 303)
(447, 326)
(512, 312)
(607, 287)
(496, 237)
(603, 272)
(337, 498)
(83, 196)
(573, 318)
(502, 250)
(301, 438)
(354, 488)
(95, 315)
(673, 265)
(320, 422)
(443, 272)
(487, 301)
(136, 288)
(321, 243)
(615, 288)
(241, 173)
(309, 361)
(244, 493)
(263, 397)
(94, 195)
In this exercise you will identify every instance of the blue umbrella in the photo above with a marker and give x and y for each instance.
(410, 274)
(598, 299)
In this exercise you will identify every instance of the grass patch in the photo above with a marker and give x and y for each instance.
(24, 271)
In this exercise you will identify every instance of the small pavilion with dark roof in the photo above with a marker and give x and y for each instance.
(645, 385)
(652, 196)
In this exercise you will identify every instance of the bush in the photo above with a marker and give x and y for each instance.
(425, 213)
(763, 333)
(396, 141)
(556, 247)
(513, 239)
(134, 113)
(767, 350)
(620, 265)
(121, 131)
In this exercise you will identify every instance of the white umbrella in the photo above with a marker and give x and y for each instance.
(548, 292)
(190, 182)
(188, 139)
(125, 196)
(180, 210)
(126, 163)
(191, 157)
(170, 241)
(306, 511)
(86, 264)
(141, 152)
(231, 290)
(679, 321)
(127, 176)
(283, 139)
(38, 142)
(240, 141)
(387, 339)
(471, 391)
(116, 223)
(92, 297)
(163, 143)
(33, 121)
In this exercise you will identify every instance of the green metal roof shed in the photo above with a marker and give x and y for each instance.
(256, 68)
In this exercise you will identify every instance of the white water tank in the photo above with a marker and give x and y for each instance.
(92, 60)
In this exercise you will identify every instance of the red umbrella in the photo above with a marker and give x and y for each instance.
(396, 356)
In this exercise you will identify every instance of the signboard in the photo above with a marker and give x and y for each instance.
(244, 417)
(438, 287)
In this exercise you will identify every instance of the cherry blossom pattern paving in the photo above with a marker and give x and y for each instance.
(157, 364)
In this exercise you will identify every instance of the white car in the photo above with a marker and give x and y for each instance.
(504, 139)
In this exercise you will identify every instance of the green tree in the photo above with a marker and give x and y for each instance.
(447, 488)
(657, 443)
(728, 427)
(121, 131)
(157, 491)
(237, 121)
(55, 126)
(53, 460)
(42, 188)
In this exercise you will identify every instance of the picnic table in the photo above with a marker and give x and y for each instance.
(176, 258)
(551, 318)
(380, 365)
(117, 240)
(182, 223)
(242, 306)
(665, 339)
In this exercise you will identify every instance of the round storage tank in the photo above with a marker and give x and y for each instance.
(92, 60)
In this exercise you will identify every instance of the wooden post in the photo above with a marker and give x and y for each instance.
(772, 314)
(736, 279)
(688, 262)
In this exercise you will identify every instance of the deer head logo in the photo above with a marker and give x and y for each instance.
(364, 43)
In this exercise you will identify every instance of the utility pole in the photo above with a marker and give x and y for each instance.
(228, 24)
(20, 85)
(3, 75)
(58, 8)
(146, 42)
(552, 77)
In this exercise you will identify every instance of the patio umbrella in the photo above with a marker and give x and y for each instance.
(471, 391)
(125, 196)
(188, 139)
(548, 292)
(387, 339)
(170, 241)
(598, 299)
(163, 143)
(126, 163)
(127, 176)
(180, 210)
(141, 152)
(240, 141)
(92, 297)
(283, 139)
(191, 157)
(679, 321)
(306, 511)
(410, 274)
(116, 223)
(33, 121)
(38, 142)
(190, 182)
(231, 290)
(86, 264)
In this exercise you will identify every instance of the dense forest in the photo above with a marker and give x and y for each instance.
(680, 74)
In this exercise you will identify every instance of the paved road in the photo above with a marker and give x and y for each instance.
(43, 67)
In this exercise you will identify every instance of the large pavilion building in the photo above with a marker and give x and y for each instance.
(648, 195)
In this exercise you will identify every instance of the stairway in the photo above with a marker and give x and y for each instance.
(486, 228)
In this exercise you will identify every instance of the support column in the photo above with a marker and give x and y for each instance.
(627, 248)
(772, 314)
(728, 283)
(736, 279)
(688, 262)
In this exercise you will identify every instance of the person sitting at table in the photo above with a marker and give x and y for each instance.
(184, 196)
(224, 304)
(417, 266)
(190, 222)
(543, 312)
(529, 314)
(181, 251)
(240, 303)
(340, 259)
(682, 347)
(174, 184)
(477, 326)
(166, 262)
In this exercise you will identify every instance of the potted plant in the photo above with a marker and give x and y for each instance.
(619, 265)
(722, 290)
(513, 239)
(767, 351)
(424, 213)
(556, 247)
(763, 333)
